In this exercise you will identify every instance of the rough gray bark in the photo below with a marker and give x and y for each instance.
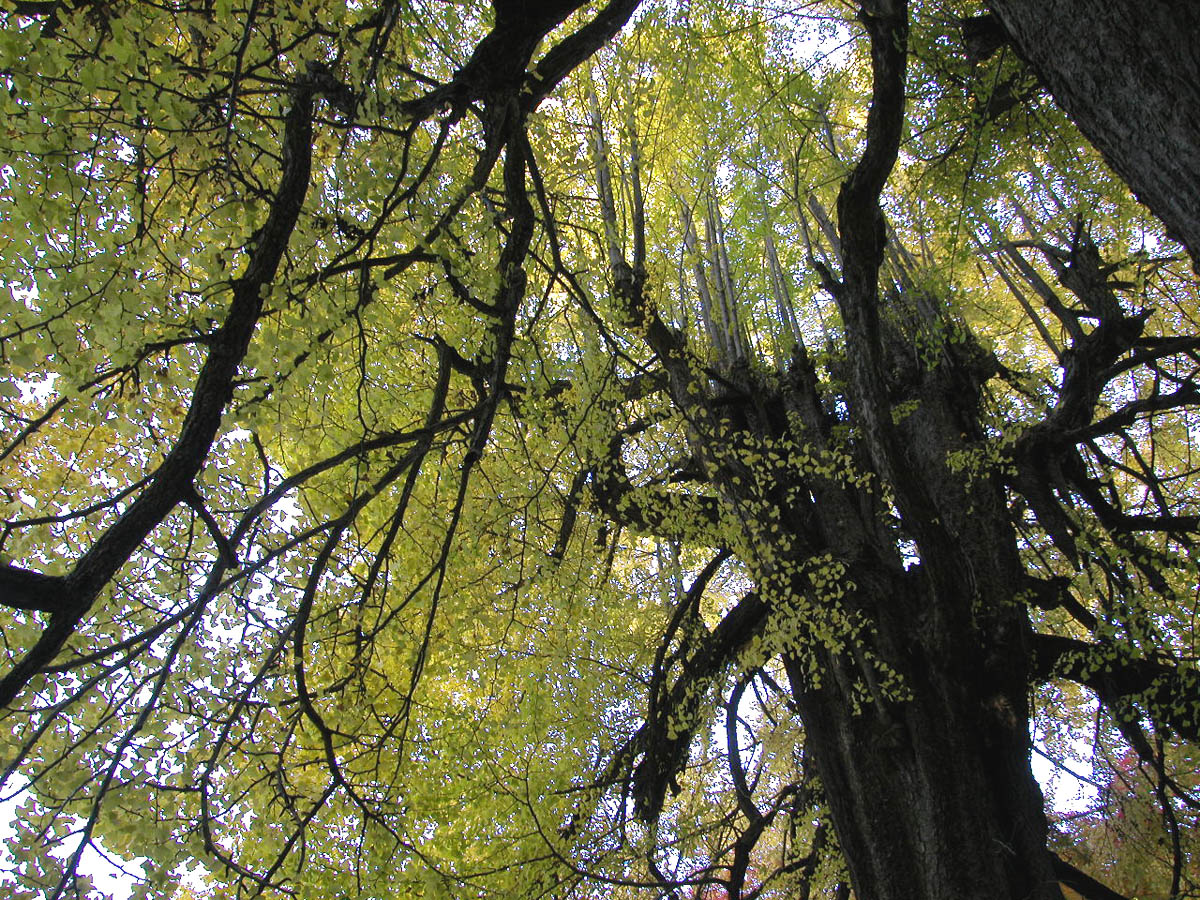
(1128, 73)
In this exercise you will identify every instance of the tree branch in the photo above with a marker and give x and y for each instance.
(568, 53)
(1169, 693)
(172, 482)
(33, 591)
(1081, 882)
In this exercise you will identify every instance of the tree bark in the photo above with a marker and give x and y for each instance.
(931, 793)
(932, 798)
(1128, 73)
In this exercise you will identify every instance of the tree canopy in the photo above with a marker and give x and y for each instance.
(581, 449)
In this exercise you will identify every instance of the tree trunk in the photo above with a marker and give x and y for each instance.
(912, 677)
(932, 798)
(930, 788)
(1128, 73)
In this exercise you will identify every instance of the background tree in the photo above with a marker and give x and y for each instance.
(461, 451)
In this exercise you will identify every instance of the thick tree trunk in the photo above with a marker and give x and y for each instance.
(932, 798)
(930, 788)
(912, 683)
(1128, 73)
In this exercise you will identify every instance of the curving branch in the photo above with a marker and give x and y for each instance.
(1081, 882)
(648, 509)
(172, 483)
(567, 55)
(498, 65)
(667, 735)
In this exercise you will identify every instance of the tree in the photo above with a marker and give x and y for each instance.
(582, 450)
(1127, 75)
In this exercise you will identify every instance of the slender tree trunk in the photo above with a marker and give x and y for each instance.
(1128, 73)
